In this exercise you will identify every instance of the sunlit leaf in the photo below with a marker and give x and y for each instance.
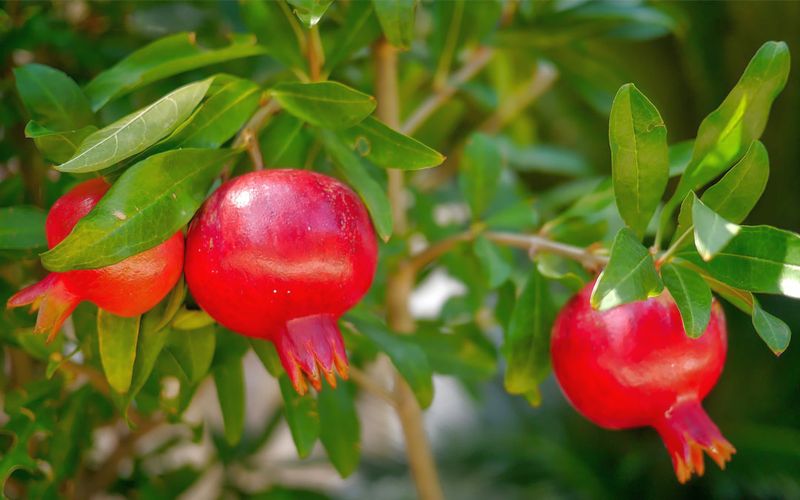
(118, 338)
(711, 231)
(629, 276)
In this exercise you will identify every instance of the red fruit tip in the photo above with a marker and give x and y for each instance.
(54, 302)
(687, 432)
(310, 349)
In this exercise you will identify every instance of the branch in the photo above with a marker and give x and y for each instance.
(421, 259)
(535, 243)
(368, 385)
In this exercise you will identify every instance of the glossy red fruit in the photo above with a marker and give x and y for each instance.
(634, 366)
(127, 288)
(280, 255)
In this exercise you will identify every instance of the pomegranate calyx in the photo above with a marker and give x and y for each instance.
(687, 432)
(311, 348)
(54, 302)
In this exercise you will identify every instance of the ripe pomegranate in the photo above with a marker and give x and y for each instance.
(127, 288)
(634, 366)
(280, 255)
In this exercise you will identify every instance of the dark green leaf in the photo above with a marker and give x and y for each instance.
(358, 29)
(57, 147)
(301, 415)
(498, 269)
(339, 428)
(118, 338)
(771, 329)
(276, 29)
(463, 352)
(326, 104)
(22, 228)
(691, 294)
(160, 59)
(278, 139)
(136, 132)
(146, 206)
(711, 232)
(639, 157)
(388, 148)
(229, 380)
(310, 11)
(397, 20)
(353, 169)
(193, 350)
(265, 350)
(735, 195)
(527, 339)
(52, 98)
(481, 166)
(629, 276)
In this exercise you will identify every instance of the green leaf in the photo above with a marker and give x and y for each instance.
(691, 294)
(359, 28)
(190, 319)
(481, 166)
(397, 20)
(193, 350)
(146, 206)
(265, 350)
(310, 11)
(680, 155)
(52, 98)
(277, 30)
(759, 259)
(118, 337)
(409, 358)
(711, 232)
(354, 170)
(639, 157)
(462, 351)
(339, 428)
(735, 195)
(727, 132)
(388, 148)
(230, 104)
(22, 228)
(165, 57)
(57, 147)
(325, 104)
(772, 330)
(136, 132)
(229, 380)
(527, 339)
(543, 158)
(497, 267)
(278, 138)
(302, 416)
(630, 275)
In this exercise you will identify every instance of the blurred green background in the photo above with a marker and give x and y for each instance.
(508, 449)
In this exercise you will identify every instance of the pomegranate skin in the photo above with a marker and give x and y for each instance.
(634, 366)
(127, 288)
(280, 255)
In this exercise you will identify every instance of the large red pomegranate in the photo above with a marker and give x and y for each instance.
(127, 288)
(634, 366)
(280, 255)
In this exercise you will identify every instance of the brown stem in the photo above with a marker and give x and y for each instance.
(253, 149)
(314, 54)
(366, 383)
(535, 243)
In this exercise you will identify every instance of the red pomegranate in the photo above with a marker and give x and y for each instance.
(127, 288)
(280, 255)
(634, 366)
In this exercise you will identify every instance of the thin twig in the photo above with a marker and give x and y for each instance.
(421, 259)
(476, 62)
(370, 386)
(253, 149)
(535, 243)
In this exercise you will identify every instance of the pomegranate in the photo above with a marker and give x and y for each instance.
(127, 288)
(280, 255)
(634, 366)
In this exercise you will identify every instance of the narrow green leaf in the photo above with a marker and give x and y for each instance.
(229, 380)
(52, 98)
(265, 350)
(193, 350)
(760, 259)
(160, 59)
(302, 416)
(278, 139)
(691, 294)
(771, 329)
(735, 195)
(22, 228)
(498, 269)
(118, 338)
(711, 232)
(388, 148)
(630, 275)
(339, 428)
(354, 170)
(191, 319)
(359, 29)
(325, 104)
(136, 132)
(57, 147)
(409, 358)
(481, 166)
(680, 155)
(276, 28)
(310, 11)
(639, 157)
(397, 20)
(146, 206)
(527, 339)
(544, 158)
